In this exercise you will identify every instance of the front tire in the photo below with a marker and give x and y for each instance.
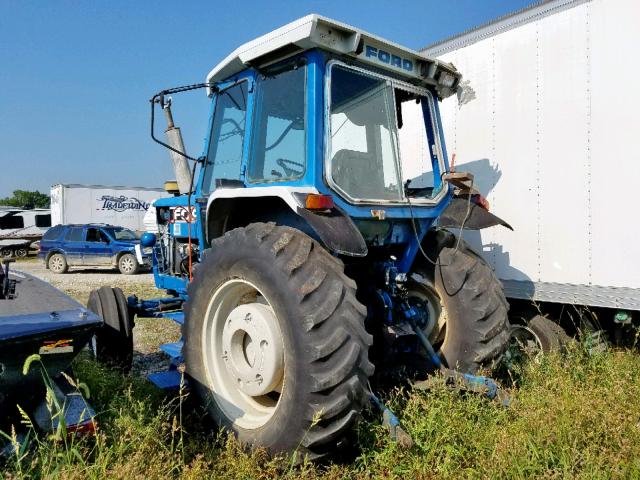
(293, 298)
(128, 264)
(468, 325)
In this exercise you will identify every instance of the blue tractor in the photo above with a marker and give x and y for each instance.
(314, 249)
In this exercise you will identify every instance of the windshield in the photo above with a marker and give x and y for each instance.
(380, 147)
(121, 233)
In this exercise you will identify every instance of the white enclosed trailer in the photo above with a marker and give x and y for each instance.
(122, 206)
(548, 123)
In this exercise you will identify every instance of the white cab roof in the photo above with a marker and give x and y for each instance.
(315, 31)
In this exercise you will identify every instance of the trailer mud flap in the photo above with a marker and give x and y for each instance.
(479, 218)
(336, 230)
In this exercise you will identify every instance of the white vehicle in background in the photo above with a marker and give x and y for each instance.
(547, 120)
(83, 204)
(20, 229)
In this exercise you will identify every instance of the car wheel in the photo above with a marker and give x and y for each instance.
(128, 264)
(57, 263)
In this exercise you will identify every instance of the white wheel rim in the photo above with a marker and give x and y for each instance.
(519, 334)
(243, 354)
(56, 263)
(127, 264)
(21, 253)
(6, 253)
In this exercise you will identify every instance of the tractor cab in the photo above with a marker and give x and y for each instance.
(320, 105)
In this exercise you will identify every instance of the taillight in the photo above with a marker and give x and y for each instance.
(86, 428)
(316, 201)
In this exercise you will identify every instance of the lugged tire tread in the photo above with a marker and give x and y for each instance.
(472, 292)
(333, 320)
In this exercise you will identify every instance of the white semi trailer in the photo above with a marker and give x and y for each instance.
(122, 206)
(547, 120)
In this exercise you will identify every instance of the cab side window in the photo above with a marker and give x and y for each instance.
(224, 157)
(278, 137)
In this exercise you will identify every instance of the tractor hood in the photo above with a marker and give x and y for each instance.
(315, 31)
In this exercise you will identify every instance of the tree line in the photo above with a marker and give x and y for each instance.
(26, 199)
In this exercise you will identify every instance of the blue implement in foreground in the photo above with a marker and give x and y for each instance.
(166, 380)
(173, 350)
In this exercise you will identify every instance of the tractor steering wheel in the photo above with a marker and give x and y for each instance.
(288, 171)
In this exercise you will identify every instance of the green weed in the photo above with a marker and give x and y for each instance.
(575, 415)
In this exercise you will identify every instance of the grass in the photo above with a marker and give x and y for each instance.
(573, 416)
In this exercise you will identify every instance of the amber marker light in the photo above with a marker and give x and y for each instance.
(316, 201)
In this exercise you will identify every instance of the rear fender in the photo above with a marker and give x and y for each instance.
(230, 208)
(467, 214)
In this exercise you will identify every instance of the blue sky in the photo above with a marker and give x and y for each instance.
(75, 77)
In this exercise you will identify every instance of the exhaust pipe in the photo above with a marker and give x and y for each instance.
(174, 138)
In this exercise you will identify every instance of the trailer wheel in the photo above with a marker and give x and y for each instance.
(128, 264)
(112, 343)
(275, 342)
(57, 263)
(6, 253)
(550, 335)
(466, 308)
(21, 252)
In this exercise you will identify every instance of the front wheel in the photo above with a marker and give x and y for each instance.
(465, 308)
(128, 264)
(275, 341)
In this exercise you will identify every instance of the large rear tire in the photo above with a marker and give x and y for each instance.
(469, 326)
(276, 287)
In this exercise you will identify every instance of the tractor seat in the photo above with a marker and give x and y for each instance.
(358, 174)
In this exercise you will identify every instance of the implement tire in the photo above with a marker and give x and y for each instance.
(471, 330)
(112, 344)
(276, 287)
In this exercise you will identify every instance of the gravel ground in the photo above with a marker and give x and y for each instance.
(148, 334)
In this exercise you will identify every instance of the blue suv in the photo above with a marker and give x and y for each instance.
(92, 245)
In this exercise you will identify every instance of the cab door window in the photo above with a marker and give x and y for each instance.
(278, 140)
(224, 157)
